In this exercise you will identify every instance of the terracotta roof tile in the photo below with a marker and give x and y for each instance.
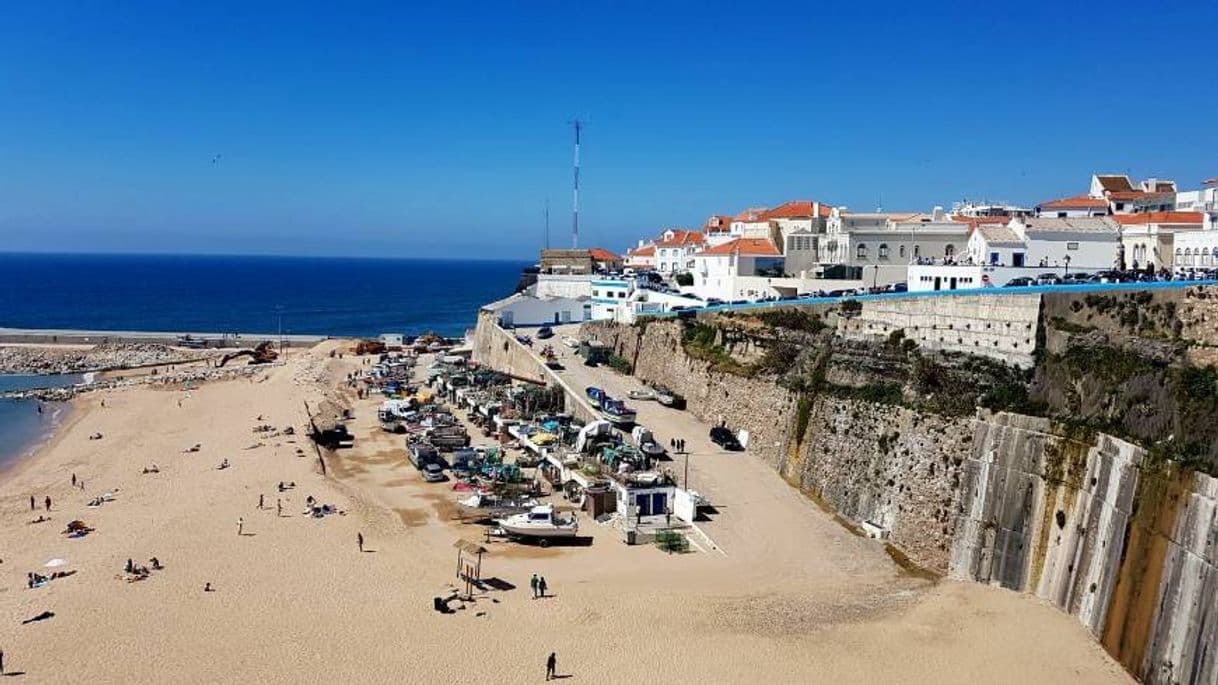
(600, 254)
(644, 251)
(682, 238)
(746, 246)
(1114, 182)
(793, 209)
(1159, 218)
(1076, 202)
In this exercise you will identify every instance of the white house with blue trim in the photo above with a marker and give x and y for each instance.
(610, 295)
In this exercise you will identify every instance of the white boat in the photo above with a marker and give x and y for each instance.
(485, 506)
(540, 522)
(616, 412)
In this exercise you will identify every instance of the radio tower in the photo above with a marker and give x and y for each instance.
(575, 206)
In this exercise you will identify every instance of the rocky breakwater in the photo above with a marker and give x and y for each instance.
(104, 357)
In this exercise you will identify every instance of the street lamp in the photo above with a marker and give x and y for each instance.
(1066, 259)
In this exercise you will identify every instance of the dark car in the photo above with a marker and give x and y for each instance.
(1048, 279)
(723, 437)
(898, 287)
(1021, 282)
(545, 332)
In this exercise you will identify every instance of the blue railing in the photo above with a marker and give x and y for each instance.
(1024, 290)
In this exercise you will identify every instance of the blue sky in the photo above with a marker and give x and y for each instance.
(390, 130)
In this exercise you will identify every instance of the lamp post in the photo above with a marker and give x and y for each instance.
(1066, 259)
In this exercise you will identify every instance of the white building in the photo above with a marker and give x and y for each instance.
(1025, 247)
(1148, 238)
(609, 295)
(884, 244)
(675, 250)
(716, 268)
(524, 310)
(642, 257)
(1196, 250)
(1204, 201)
(1113, 194)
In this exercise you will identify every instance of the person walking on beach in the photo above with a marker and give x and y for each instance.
(541, 586)
(73, 480)
(240, 525)
(552, 666)
(533, 584)
(32, 505)
(260, 501)
(48, 502)
(278, 507)
(359, 538)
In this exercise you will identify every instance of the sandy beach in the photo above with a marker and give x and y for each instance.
(792, 596)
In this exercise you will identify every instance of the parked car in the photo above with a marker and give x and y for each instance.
(433, 473)
(1020, 282)
(898, 287)
(1048, 279)
(1076, 277)
(545, 332)
(723, 437)
(712, 301)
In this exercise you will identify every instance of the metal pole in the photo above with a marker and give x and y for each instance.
(575, 206)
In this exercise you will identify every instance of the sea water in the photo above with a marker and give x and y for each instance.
(217, 294)
(22, 426)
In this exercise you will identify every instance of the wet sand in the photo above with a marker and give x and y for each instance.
(295, 601)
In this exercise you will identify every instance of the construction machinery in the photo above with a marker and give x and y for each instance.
(263, 353)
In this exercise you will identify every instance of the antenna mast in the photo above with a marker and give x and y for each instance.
(575, 206)
(547, 244)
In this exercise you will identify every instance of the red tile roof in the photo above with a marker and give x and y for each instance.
(794, 209)
(600, 254)
(718, 223)
(745, 246)
(644, 251)
(1076, 202)
(682, 238)
(1159, 218)
(1114, 182)
(1127, 195)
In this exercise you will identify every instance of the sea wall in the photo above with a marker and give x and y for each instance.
(1001, 328)
(498, 349)
(1100, 527)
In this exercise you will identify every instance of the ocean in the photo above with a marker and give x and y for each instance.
(21, 424)
(213, 294)
(216, 294)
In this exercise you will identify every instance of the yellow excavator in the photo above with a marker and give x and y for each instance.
(262, 353)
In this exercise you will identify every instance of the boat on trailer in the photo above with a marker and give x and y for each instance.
(540, 522)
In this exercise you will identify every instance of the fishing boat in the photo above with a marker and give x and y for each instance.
(595, 396)
(616, 412)
(482, 506)
(539, 522)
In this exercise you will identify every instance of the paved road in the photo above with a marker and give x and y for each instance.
(760, 515)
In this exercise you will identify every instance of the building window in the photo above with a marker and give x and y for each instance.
(917, 251)
(949, 250)
(1061, 215)
(1179, 259)
(901, 251)
(1017, 259)
(861, 251)
(1120, 206)
(883, 250)
(595, 293)
(1071, 246)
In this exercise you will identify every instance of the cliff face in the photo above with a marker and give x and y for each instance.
(1051, 450)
